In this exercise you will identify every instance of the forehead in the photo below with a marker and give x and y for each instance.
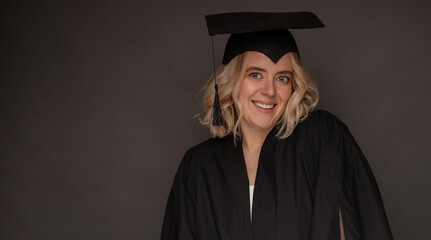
(258, 59)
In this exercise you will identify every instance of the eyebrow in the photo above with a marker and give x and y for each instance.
(263, 70)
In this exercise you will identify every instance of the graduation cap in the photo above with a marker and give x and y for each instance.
(253, 31)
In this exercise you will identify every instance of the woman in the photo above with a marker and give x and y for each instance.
(274, 168)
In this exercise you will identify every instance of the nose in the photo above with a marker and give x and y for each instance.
(268, 87)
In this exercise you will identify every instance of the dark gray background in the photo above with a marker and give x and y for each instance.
(97, 103)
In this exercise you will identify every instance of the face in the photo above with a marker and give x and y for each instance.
(264, 92)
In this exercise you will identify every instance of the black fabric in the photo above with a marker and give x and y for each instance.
(218, 119)
(273, 43)
(263, 32)
(301, 184)
(241, 22)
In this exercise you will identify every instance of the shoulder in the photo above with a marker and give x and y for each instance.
(331, 131)
(322, 121)
(323, 117)
(208, 151)
(320, 128)
(208, 146)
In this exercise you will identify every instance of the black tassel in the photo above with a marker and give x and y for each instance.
(217, 114)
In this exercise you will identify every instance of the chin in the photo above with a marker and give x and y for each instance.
(264, 126)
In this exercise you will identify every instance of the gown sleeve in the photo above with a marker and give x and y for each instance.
(359, 197)
(179, 217)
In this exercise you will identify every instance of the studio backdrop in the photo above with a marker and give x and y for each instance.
(98, 104)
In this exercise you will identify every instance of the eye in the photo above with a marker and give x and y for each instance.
(255, 75)
(283, 79)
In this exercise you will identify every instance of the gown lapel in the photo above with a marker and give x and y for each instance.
(265, 194)
(238, 191)
(262, 226)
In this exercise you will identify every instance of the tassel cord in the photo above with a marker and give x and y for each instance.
(217, 113)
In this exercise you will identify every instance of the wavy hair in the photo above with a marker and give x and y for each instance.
(303, 99)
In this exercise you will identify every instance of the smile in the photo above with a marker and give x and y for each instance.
(264, 106)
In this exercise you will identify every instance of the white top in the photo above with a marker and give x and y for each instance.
(251, 199)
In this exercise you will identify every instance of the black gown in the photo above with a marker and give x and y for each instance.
(301, 184)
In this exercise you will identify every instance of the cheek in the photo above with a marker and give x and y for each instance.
(242, 97)
(246, 90)
(285, 96)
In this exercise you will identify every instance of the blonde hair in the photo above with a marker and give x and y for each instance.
(304, 98)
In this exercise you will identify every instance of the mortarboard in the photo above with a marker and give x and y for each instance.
(252, 31)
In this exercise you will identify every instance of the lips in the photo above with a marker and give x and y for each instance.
(266, 106)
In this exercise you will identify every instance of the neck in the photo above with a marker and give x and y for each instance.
(252, 139)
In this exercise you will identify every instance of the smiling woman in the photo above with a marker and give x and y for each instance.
(264, 92)
(274, 167)
(288, 72)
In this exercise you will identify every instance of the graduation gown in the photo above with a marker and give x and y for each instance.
(302, 183)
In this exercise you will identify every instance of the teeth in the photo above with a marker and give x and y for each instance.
(265, 106)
